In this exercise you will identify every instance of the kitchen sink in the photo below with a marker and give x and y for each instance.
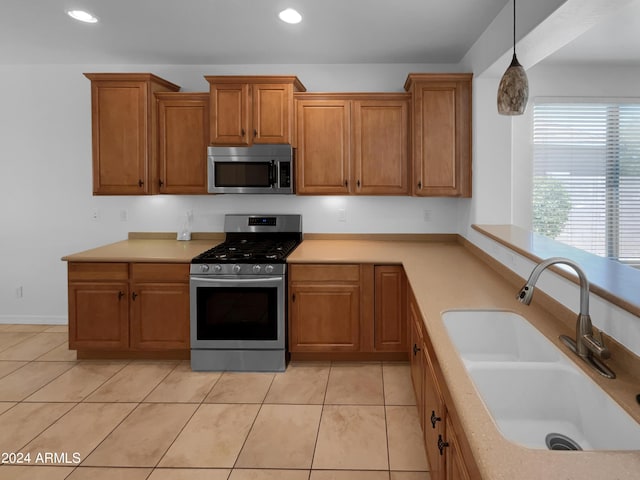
(535, 394)
(494, 335)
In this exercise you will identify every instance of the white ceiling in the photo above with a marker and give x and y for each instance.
(242, 31)
(248, 32)
(612, 41)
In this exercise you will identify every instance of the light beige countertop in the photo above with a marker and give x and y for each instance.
(443, 276)
(160, 250)
(447, 276)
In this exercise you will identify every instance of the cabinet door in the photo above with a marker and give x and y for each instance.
(272, 112)
(441, 135)
(434, 417)
(160, 316)
(120, 137)
(183, 130)
(124, 132)
(454, 461)
(436, 166)
(324, 318)
(98, 315)
(323, 139)
(416, 358)
(390, 321)
(230, 114)
(380, 145)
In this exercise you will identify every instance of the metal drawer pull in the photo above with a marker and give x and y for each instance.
(442, 444)
(434, 419)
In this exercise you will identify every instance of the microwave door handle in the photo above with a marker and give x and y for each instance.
(273, 174)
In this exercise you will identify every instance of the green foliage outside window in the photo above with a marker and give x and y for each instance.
(551, 206)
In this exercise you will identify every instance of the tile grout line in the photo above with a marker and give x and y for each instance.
(159, 383)
(324, 399)
(386, 426)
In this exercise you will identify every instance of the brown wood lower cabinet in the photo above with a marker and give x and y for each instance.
(159, 306)
(324, 308)
(445, 445)
(390, 319)
(98, 315)
(123, 309)
(339, 311)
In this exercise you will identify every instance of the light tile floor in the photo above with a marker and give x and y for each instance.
(158, 420)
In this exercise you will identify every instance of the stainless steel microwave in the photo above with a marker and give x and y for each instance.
(255, 169)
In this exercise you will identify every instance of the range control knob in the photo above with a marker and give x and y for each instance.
(268, 269)
(256, 268)
(217, 268)
(235, 269)
(204, 268)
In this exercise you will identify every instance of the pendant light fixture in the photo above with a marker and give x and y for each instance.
(513, 91)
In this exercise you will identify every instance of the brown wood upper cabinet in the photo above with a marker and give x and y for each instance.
(352, 143)
(441, 134)
(252, 109)
(124, 132)
(183, 133)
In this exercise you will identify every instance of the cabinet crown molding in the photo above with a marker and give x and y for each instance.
(263, 79)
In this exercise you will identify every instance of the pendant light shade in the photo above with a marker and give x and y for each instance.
(513, 91)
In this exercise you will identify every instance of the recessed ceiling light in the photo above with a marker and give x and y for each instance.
(290, 15)
(82, 16)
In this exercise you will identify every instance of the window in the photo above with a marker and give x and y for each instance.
(586, 176)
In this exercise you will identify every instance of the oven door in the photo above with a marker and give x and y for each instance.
(237, 312)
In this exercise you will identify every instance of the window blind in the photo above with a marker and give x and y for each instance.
(586, 169)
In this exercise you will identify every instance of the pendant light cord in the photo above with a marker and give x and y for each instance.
(514, 27)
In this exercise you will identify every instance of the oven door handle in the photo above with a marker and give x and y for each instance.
(237, 281)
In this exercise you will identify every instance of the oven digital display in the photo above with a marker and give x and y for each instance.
(269, 221)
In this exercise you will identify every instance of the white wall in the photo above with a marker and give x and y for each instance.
(45, 179)
(503, 175)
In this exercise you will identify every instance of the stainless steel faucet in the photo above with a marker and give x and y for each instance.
(590, 349)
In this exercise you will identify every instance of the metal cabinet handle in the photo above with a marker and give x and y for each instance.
(293, 297)
(346, 183)
(434, 419)
(242, 132)
(255, 132)
(134, 295)
(140, 183)
(442, 444)
(161, 183)
(358, 183)
(416, 349)
(120, 295)
(420, 185)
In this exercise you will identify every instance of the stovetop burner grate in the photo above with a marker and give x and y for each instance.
(249, 250)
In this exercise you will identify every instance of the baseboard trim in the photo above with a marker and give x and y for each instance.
(34, 319)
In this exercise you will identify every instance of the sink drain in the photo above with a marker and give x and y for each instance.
(557, 441)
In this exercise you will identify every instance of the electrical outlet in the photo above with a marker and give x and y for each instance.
(426, 215)
(19, 292)
(342, 215)
(95, 215)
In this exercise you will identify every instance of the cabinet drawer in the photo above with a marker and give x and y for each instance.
(90, 271)
(323, 273)
(160, 272)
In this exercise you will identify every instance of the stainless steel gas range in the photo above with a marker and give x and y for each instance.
(238, 295)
